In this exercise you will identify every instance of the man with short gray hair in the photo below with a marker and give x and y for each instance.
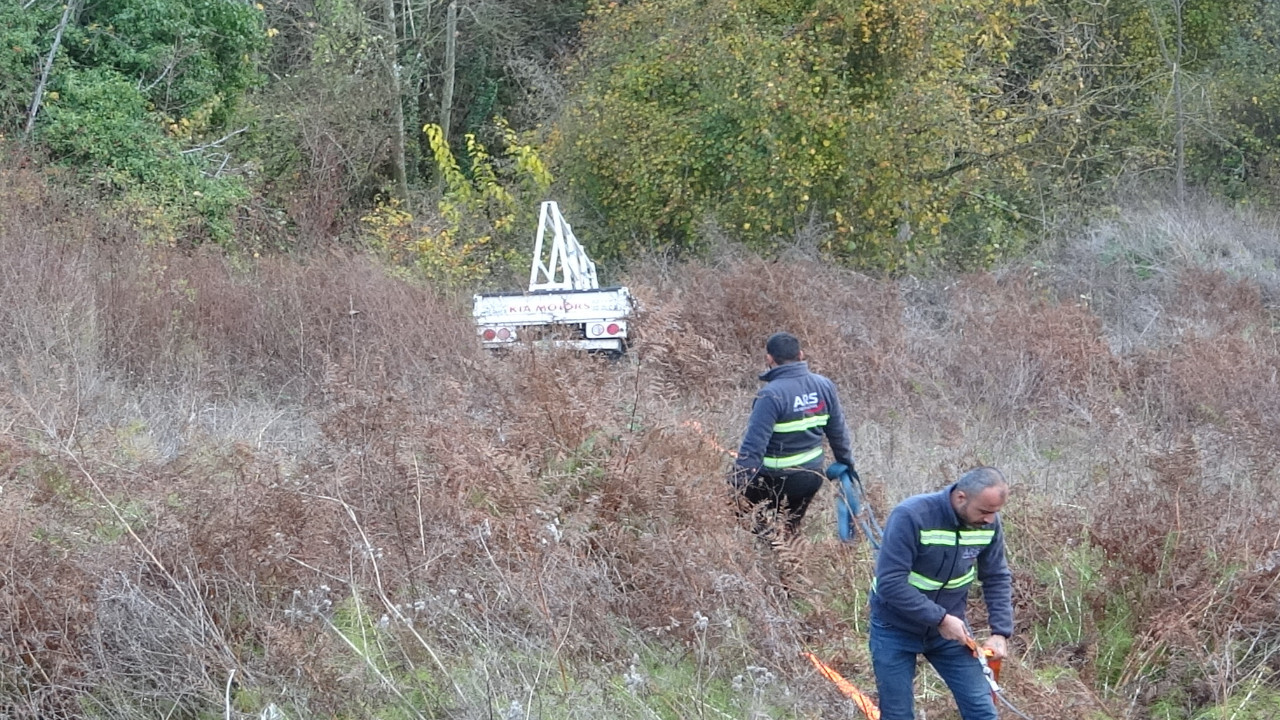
(935, 545)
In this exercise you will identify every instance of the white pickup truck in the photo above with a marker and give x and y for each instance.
(564, 303)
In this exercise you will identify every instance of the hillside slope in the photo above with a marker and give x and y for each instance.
(275, 487)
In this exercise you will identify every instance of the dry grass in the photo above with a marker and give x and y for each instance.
(300, 482)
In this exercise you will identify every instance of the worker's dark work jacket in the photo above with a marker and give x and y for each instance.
(929, 559)
(790, 415)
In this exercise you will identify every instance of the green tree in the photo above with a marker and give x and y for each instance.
(139, 99)
(25, 37)
(904, 130)
(1244, 159)
(325, 120)
(1164, 81)
(873, 121)
(192, 59)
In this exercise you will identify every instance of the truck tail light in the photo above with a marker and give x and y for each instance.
(488, 334)
(597, 330)
(613, 328)
(504, 333)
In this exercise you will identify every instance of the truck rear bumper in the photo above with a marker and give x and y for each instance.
(606, 344)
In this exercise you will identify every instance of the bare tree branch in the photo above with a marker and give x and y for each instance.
(215, 143)
(48, 65)
(173, 62)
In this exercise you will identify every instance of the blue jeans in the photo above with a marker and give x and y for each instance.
(893, 658)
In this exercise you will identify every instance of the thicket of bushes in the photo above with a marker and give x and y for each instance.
(890, 134)
(901, 130)
(255, 488)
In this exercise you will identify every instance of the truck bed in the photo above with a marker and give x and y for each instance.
(594, 319)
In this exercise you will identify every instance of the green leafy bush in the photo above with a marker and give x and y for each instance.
(866, 121)
(483, 219)
(137, 89)
(192, 59)
(97, 121)
(21, 46)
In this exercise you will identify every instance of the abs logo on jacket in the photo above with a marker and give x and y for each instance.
(806, 403)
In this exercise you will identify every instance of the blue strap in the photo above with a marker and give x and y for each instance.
(849, 516)
(847, 509)
(847, 504)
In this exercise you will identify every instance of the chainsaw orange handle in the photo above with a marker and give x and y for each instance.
(990, 665)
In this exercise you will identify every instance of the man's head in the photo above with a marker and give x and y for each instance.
(782, 348)
(978, 496)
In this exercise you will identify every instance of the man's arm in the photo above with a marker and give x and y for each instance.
(837, 431)
(764, 413)
(897, 555)
(997, 585)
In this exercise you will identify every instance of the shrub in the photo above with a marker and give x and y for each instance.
(484, 217)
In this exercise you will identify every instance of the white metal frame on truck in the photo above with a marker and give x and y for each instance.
(568, 268)
(564, 297)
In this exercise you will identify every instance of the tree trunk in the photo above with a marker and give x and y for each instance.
(450, 63)
(397, 105)
(1173, 60)
(1180, 136)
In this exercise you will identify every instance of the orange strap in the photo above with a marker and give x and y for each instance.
(987, 654)
(847, 688)
(990, 665)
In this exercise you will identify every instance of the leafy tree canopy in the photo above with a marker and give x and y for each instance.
(892, 130)
(867, 119)
(135, 87)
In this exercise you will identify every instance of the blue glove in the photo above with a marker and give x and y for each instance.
(836, 469)
(848, 504)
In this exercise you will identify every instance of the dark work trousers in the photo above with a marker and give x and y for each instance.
(784, 494)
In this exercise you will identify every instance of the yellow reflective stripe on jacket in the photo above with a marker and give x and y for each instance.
(948, 537)
(977, 537)
(937, 537)
(963, 580)
(802, 424)
(793, 460)
(917, 580)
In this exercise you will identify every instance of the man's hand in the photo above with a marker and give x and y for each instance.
(837, 468)
(952, 628)
(739, 478)
(998, 645)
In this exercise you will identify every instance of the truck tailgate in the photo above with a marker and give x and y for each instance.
(562, 306)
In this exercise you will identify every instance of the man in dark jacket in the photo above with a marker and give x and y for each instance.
(779, 464)
(935, 545)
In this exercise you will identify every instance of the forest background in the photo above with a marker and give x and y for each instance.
(252, 463)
